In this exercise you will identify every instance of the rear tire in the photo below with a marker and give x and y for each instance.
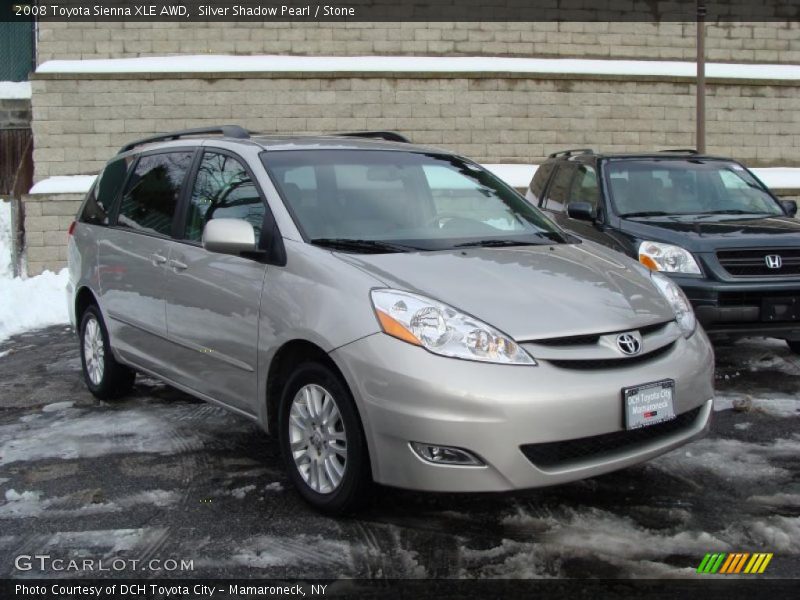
(794, 345)
(322, 441)
(104, 376)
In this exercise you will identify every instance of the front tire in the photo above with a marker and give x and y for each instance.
(104, 376)
(322, 442)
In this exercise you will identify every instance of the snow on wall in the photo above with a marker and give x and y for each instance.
(416, 64)
(515, 175)
(15, 90)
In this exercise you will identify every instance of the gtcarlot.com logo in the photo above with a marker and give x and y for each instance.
(46, 562)
(735, 563)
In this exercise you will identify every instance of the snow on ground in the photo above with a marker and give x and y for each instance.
(76, 433)
(15, 90)
(30, 504)
(415, 64)
(315, 551)
(27, 303)
(776, 405)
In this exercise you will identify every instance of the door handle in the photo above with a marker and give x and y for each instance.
(157, 259)
(177, 265)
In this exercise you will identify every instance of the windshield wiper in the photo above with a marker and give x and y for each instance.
(647, 213)
(364, 246)
(736, 211)
(497, 244)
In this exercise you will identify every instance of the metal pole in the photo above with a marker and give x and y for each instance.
(701, 77)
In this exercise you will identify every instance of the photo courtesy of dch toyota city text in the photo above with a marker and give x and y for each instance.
(486, 299)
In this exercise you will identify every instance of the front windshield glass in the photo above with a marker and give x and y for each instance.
(390, 201)
(656, 187)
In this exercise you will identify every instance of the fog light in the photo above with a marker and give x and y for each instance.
(445, 455)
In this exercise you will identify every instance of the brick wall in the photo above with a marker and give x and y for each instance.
(47, 218)
(79, 123)
(765, 42)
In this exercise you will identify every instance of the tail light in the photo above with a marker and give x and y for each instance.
(71, 227)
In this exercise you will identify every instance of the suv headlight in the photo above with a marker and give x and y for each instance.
(680, 304)
(443, 330)
(668, 258)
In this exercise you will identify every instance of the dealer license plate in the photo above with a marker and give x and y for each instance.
(649, 404)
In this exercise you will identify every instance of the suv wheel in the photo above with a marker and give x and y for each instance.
(104, 376)
(321, 440)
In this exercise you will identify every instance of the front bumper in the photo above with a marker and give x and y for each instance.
(406, 394)
(736, 308)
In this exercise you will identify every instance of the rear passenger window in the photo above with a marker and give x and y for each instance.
(104, 192)
(223, 190)
(537, 184)
(557, 193)
(149, 202)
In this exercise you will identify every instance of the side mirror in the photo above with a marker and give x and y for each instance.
(789, 207)
(582, 211)
(229, 236)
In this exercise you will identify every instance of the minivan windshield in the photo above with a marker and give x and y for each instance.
(657, 187)
(376, 201)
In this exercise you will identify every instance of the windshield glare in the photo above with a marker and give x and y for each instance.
(403, 199)
(683, 187)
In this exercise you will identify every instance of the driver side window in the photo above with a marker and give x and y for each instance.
(585, 187)
(223, 190)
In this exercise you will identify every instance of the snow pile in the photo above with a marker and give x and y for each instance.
(27, 303)
(64, 184)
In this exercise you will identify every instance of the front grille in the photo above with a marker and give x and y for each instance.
(611, 363)
(754, 298)
(588, 340)
(554, 454)
(753, 263)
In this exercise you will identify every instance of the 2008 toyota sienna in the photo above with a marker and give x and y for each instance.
(393, 313)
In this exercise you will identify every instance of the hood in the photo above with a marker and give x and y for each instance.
(529, 292)
(706, 233)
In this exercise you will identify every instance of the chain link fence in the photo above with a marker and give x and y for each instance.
(16, 51)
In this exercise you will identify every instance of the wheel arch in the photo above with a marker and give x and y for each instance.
(84, 298)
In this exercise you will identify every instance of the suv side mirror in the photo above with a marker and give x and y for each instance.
(582, 211)
(789, 207)
(229, 236)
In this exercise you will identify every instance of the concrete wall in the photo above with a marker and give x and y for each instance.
(80, 123)
(47, 218)
(765, 42)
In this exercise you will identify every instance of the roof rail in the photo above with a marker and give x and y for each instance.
(571, 152)
(389, 136)
(681, 150)
(232, 131)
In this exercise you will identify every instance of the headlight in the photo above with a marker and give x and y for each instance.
(668, 258)
(441, 329)
(680, 304)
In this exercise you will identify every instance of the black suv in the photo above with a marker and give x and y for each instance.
(705, 221)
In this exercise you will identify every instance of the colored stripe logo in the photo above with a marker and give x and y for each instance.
(735, 563)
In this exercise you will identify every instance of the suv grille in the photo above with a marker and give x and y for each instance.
(554, 454)
(610, 363)
(753, 263)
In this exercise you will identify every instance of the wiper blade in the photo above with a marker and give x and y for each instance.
(736, 211)
(495, 243)
(647, 213)
(365, 246)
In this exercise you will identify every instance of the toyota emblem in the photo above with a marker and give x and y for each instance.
(774, 261)
(628, 344)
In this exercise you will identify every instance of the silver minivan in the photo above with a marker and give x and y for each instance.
(394, 313)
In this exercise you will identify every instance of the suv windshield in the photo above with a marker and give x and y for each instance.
(654, 187)
(392, 201)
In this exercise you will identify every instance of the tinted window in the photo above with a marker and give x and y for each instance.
(539, 181)
(585, 187)
(557, 193)
(423, 201)
(222, 190)
(695, 186)
(104, 192)
(152, 194)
